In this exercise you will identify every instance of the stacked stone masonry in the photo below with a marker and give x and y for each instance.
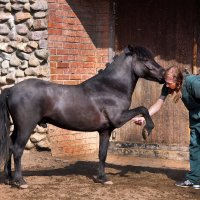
(23, 48)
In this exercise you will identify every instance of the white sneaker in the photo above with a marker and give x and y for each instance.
(197, 187)
(186, 183)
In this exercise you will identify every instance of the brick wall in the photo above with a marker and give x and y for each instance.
(78, 41)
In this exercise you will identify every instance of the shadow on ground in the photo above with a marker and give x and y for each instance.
(89, 169)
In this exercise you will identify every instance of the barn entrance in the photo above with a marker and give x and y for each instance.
(170, 30)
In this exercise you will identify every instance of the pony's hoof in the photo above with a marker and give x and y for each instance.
(108, 183)
(144, 133)
(8, 181)
(20, 185)
(97, 180)
(102, 181)
(24, 186)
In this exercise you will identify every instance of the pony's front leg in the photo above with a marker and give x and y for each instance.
(103, 148)
(129, 114)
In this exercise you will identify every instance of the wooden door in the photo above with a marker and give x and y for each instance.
(167, 28)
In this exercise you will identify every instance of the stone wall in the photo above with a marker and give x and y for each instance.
(23, 48)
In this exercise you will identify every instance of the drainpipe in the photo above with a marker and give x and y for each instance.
(195, 68)
(194, 59)
(111, 50)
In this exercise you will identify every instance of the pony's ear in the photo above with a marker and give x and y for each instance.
(128, 50)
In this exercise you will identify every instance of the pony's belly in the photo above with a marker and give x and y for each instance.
(80, 123)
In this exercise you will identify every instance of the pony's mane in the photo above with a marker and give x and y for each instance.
(142, 53)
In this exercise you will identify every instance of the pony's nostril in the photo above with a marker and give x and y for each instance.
(163, 72)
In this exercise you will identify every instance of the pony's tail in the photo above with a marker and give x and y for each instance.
(4, 127)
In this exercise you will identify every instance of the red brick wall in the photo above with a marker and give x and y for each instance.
(78, 41)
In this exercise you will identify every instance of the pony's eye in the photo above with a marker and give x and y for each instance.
(149, 67)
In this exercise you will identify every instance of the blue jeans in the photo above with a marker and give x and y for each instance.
(194, 149)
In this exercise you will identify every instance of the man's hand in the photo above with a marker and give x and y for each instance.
(139, 120)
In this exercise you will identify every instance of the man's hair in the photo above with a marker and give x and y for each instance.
(175, 74)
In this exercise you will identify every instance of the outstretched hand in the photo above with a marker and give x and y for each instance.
(139, 120)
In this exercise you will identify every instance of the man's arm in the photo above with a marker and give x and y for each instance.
(152, 110)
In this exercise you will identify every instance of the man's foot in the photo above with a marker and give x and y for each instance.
(186, 183)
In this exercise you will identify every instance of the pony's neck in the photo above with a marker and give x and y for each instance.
(117, 76)
(121, 73)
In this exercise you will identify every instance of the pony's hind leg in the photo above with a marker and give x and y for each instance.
(7, 167)
(7, 171)
(23, 135)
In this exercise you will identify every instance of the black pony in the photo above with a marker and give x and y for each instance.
(98, 104)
